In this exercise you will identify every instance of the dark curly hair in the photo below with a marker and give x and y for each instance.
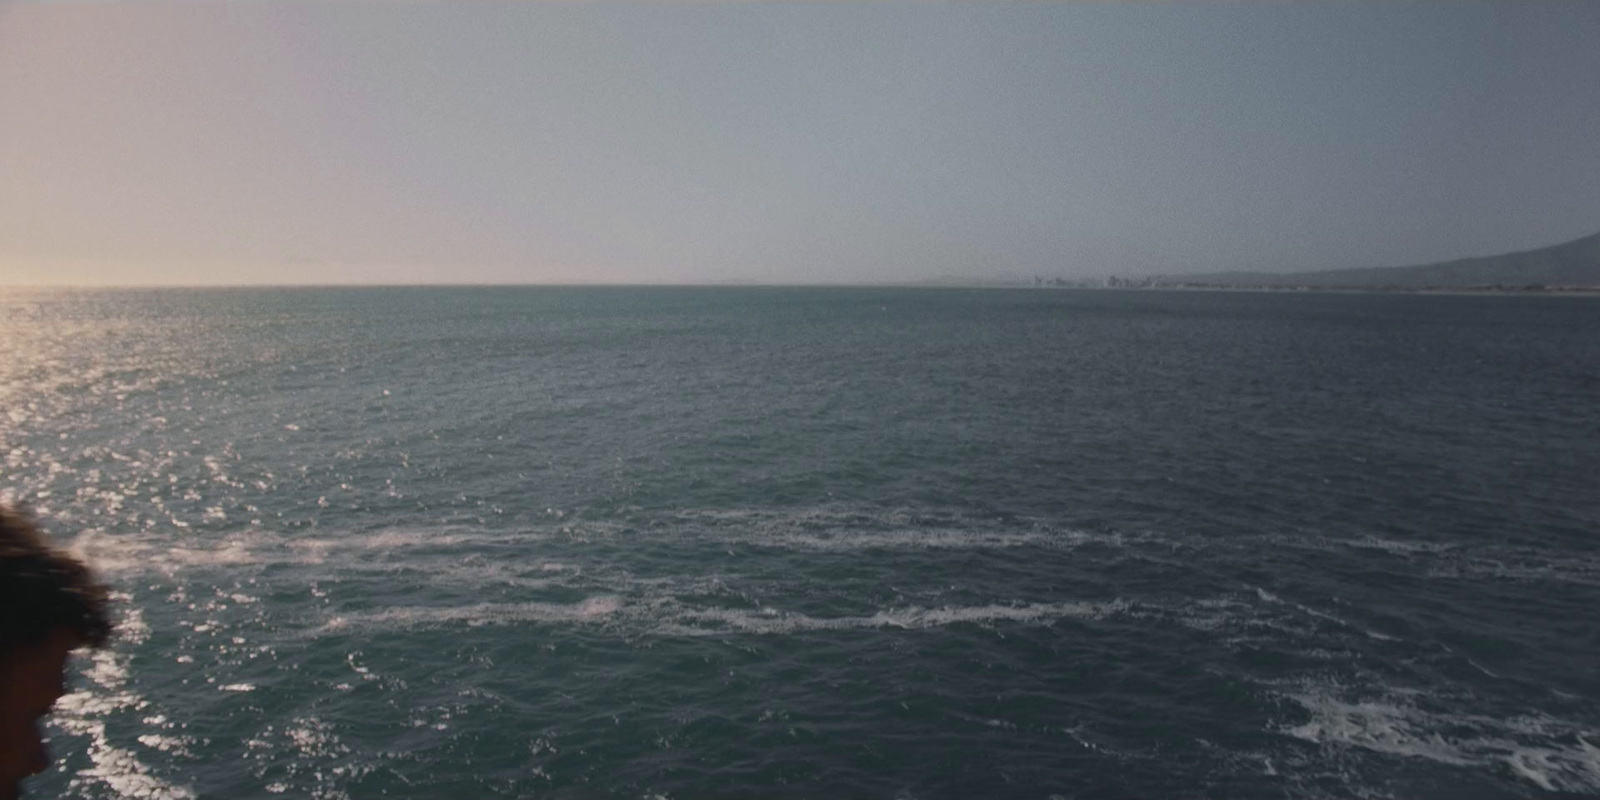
(43, 589)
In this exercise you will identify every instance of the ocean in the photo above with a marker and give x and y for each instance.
(818, 543)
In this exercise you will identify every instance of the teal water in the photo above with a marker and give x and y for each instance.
(685, 543)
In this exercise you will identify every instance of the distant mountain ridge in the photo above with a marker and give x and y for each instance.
(1574, 263)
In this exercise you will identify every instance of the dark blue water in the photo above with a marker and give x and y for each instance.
(820, 542)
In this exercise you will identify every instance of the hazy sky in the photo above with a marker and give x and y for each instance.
(469, 142)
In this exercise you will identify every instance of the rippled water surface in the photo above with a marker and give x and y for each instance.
(819, 543)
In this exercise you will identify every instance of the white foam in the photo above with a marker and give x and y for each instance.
(83, 713)
(160, 549)
(1544, 567)
(923, 539)
(669, 617)
(1398, 547)
(1269, 597)
(1552, 754)
(1457, 560)
(837, 529)
(229, 553)
(589, 610)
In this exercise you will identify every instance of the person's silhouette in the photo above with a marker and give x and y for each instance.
(50, 605)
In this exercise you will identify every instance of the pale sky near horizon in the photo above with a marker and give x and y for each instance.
(146, 142)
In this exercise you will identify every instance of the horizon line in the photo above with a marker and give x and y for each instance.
(924, 284)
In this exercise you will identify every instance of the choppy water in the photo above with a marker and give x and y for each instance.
(819, 543)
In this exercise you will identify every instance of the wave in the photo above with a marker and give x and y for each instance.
(85, 711)
(805, 530)
(771, 621)
(589, 610)
(843, 529)
(669, 617)
(1273, 599)
(823, 529)
(1554, 754)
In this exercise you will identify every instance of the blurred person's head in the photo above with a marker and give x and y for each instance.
(50, 605)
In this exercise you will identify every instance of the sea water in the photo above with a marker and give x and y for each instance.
(750, 542)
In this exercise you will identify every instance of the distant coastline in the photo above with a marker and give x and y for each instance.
(1484, 289)
(1571, 267)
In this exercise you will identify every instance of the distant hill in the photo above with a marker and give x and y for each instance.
(1574, 263)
